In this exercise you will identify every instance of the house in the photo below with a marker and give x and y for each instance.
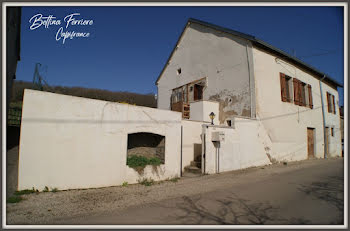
(269, 107)
(252, 79)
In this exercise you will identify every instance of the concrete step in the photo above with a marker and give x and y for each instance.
(193, 169)
(197, 164)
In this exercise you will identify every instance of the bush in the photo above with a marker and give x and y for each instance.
(125, 184)
(141, 161)
(46, 189)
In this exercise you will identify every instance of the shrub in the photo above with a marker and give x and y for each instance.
(14, 199)
(46, 189)
(137, 161)
(125, 184)
(154, 161)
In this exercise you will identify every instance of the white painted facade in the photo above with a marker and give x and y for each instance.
(200, 111)
(72, 142)
(242, 147)
(287, 123)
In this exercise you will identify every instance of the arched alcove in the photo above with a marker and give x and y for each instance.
(146, 144)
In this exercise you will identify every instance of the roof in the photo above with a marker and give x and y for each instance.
(259, 43)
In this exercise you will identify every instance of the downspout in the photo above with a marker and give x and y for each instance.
(181, 154)
(250, 87)
(324, 121)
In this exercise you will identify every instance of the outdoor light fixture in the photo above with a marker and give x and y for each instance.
(212, 116)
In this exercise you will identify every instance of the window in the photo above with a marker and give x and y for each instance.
(286, 85)
(302, 93)
(331, 103)
(178, 71)
(332, 131)
(229, 123)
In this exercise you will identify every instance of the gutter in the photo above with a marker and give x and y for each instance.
(325, 145)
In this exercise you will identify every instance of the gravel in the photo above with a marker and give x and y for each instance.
(51, 207)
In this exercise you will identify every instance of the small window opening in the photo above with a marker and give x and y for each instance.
(179, 71)
(229, 123)
(332, 131)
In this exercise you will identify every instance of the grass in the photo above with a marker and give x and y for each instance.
(25, 191)
(54, 190)
(125, 184)
(14, 199)
(146, 182)
(175, 179)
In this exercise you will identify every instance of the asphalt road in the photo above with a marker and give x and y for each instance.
(310, 194)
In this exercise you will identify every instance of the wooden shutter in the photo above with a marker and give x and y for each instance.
(295, 89)
(310, 96)
(328, 103)
(333, 104)
(283, 87)
(301, 103)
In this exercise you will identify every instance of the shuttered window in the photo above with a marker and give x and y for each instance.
(310, 96)
(331, 103)
(285, 88)
(296, 91)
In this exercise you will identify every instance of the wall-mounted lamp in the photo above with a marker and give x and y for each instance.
(212, 116)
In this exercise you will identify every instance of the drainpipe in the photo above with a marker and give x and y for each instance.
(181, 153)
(324, 121)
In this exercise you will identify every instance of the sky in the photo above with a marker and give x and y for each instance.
(127, 47)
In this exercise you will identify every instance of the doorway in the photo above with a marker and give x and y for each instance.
(198, 92)
(311, 142)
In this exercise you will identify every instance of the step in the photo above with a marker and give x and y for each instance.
(197, 164)
(193, 169)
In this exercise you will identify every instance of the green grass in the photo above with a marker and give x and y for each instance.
(25, 191)
(146, 182)
(125, 184)
(141, 161)
(14, 199)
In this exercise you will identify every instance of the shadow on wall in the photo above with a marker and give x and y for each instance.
(146, 144)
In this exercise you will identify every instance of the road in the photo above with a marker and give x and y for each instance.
(308, 193)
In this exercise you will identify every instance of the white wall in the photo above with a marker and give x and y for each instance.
(72, 142)
(243, 147)
(192, 131)
(286, 123)
(200, 111)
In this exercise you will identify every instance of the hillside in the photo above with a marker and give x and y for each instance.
(147, 100)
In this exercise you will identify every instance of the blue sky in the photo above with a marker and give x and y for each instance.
(128, 46)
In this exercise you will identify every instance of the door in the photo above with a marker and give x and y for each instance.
(327, 142)
(198, 92)
(310, 143)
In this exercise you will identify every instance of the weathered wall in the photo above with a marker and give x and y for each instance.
(222, 59)
(72, 142)
(243, 147)
(286, 123)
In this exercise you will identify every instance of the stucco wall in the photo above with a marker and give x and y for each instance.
(72, 142)
(243, 147)
(221, 58)
(200, 111)
(191, 140)
(286, 123)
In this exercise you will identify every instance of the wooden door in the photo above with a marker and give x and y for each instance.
(327, 141)
(198, 92)
(310, 143)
